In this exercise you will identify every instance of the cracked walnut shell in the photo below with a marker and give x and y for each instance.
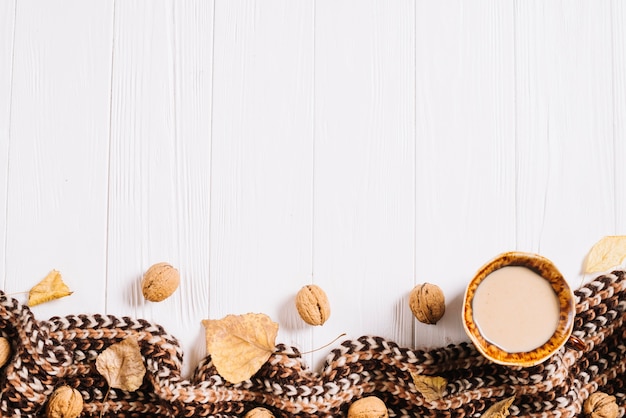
(5, 351)
(259, 412)
(312, 304)
(427, 302)
(159, 282)
(601, 405)
(368, 407)
(65, 402)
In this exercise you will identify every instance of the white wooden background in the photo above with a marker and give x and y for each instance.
(259, 146)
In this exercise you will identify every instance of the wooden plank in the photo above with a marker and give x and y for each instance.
(194, 59)
(618, 36)
(7, 27)
(565, 140)
(160, 162)
(261, 210)
(465, 155)
(57, 181)
(364, 233)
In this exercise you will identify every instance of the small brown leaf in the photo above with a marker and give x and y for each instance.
(607, 253)
(240, 344)
(50, 288)
(431, 387)
(122, 365)
(499, 409)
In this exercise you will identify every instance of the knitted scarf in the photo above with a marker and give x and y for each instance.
(63, 350)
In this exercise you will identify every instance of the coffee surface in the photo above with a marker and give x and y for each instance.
(516, 309)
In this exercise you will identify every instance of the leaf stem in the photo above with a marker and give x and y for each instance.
(325, 345)
(15, 293)
(106, 395)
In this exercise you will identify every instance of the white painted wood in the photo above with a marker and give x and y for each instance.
(465, 150)
(262, 161)
(618, 93)
(193, 55)
(57, 172)
(565, 140)
(7, 26)
(160, 162)
(262, 146)
(364, 234)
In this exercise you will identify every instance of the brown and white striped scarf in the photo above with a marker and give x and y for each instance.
(62, 350)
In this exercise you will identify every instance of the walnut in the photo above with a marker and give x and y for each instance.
(312, 304)
(159, 282)
(65, 402)
(601, 405)
(427, 303)
(5, 351)
(259, 413)
(368, 407)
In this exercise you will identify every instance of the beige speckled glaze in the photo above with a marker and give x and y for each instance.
(543, 267)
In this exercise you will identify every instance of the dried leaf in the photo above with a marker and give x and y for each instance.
(499, 409)
(50, 288)
(431, 387)
(605, 254)
(122, 365)
(240, 344)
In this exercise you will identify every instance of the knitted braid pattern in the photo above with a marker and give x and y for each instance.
(63, 350)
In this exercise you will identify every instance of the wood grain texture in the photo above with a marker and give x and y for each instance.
(363, 231)
(160, 162)
(465, 149)
(56, 215)
(193, 31)
(618, 40)
(7, 27)
(565, 143)
(261, 210)
(262, 146)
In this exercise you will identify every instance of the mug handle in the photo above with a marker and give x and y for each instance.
(576, 343)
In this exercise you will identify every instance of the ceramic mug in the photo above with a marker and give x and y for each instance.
(518, 310)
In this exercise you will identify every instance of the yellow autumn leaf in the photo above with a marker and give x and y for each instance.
(499, 409)
(50, 288)
(121, 364)
(607, 253)
(240, 344)
(431, 387)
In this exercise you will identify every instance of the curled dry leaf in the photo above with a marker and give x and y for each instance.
(50, 288)
(431, 387)
(499, 409)
(240, 344)
(605, 254)
(122, 365)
